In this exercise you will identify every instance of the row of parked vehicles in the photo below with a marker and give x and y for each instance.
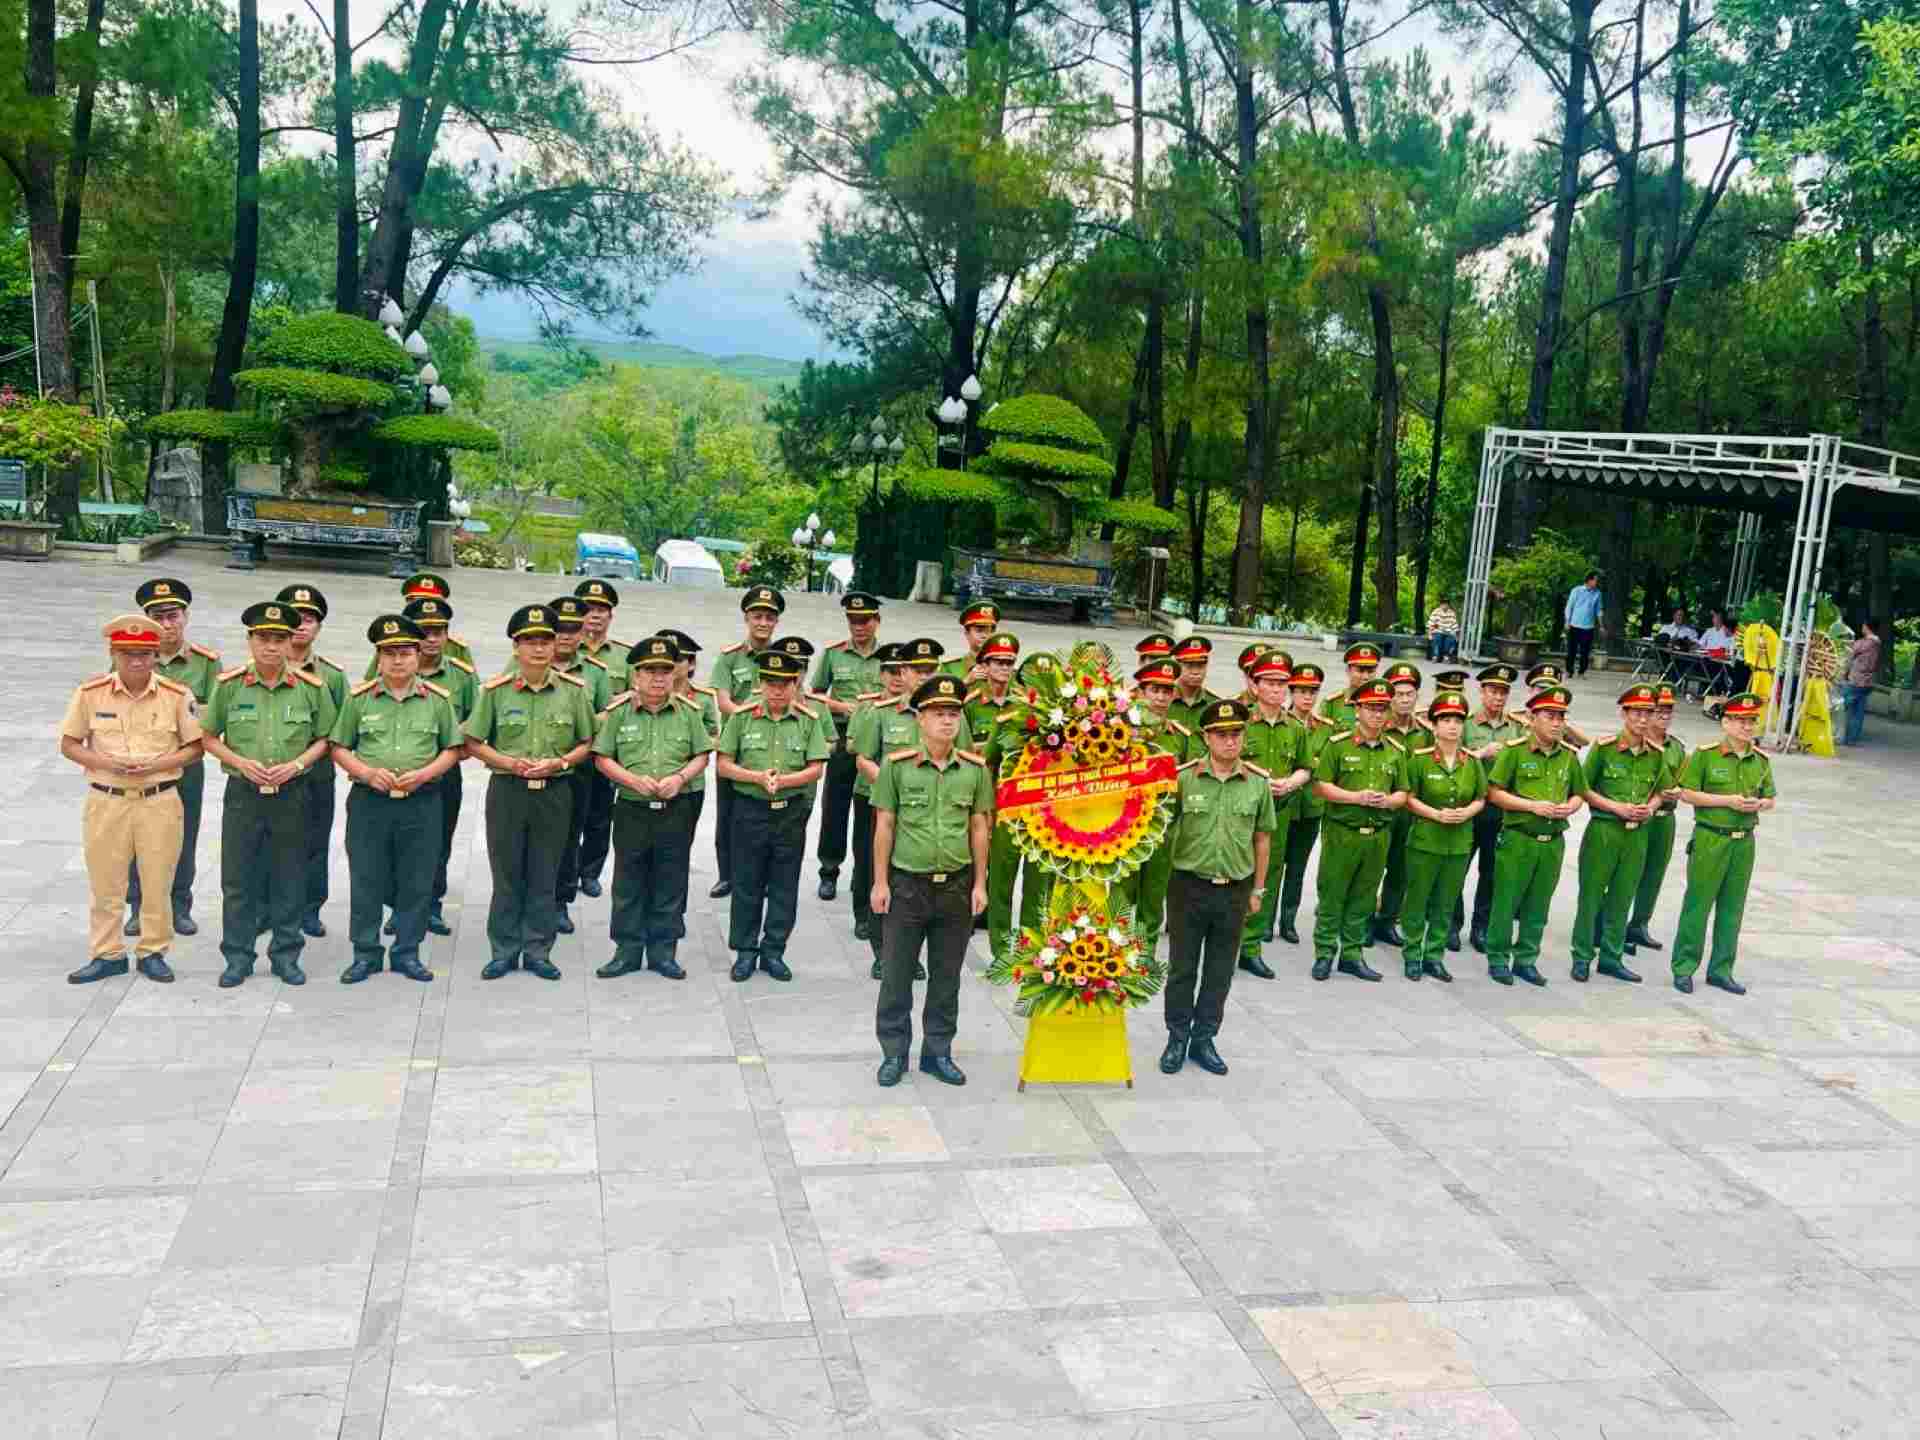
(675, 562)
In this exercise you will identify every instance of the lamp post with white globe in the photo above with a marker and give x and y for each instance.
(877, 447)
(809, 539)
(955, 417)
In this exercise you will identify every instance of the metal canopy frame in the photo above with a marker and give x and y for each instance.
(1755, 474)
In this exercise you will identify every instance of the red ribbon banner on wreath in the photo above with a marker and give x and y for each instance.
(1052, 787)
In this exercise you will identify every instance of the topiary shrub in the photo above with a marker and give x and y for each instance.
(237, 427)
(339, 344)
(436, 432)
(313, 392)
(1045, 420)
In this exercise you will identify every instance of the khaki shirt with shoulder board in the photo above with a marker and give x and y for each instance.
(786, 745)
(1522, 769)
(397, 733)
(1213, 835)
(933, 808)
(109, 720)
(652, 743)
(528, 724)
(1353, 764)
(270, 724)
(1715, 770)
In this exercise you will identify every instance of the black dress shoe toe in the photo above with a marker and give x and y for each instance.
(360, 969)
(132, 927)
(744, 965)
(184, 924)
(1478, 939)
(235, 975)
(1499, 975)
(1726, 983)
(1640, 937)
(1530, 974)
(1289, 934)
(1359, 969)
(1453, 942)
(1203, 1054)
(891, 1070)
(413, 970)
(1414, 969)
(1256, 967)
(437, 924)
(776, 966)
(155, 967)
(563, 922)
(290, 973)
(874, 971)
(1620, 972)
(495, 968)
(942, 1068)
(590, 887)
(1174, 1056)
(100, 968)
(721, 889)
(863, 929)
(1683, 983)
(541, 966)
(617, 967)
(311, 925)
(1439, 972)
(1580, 971)
(668, 969)
(1388, 933)
(1322, 969)
(829, 887)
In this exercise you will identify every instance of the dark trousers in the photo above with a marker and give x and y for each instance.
(193, 786)
(320, 804)
(862, 858)
(768, 846)
(723, 828)
(1204, 922)
(263, 871)
(392, 847)
(1579, 649)
(836, 796)
(1486, 832)
(1302, 832)
(526, 831)
(451, 786)
(597, 828)
(566, 879)
(652, 845)
(938, 914)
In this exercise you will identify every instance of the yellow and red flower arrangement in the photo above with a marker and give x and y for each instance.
(1086, 960)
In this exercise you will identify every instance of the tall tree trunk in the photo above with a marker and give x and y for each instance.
(243, 271)
(169, 337)
(1129, 434)
(79, 151)
(1430, 502)
(1168, 454)
(53, 297)
(412, 149)
(346, 198)
(1247, 543)
(1874, 422)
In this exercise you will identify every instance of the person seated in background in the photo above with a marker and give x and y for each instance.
(1678, 632)
(1717, 638)
(1443, 631)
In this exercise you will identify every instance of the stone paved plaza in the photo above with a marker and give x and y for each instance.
(593, 1209)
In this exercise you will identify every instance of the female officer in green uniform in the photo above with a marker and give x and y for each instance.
(1307, 808)
(1362, 775)
(1537, 781)
(1625, 774)
(1729, 784)
(1447, 789)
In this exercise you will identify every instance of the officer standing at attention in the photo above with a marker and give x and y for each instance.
(1488, 730)
(196, 667)
(133, 731)
(770, 753)
(423, 585)
(1145, 888)
(1624, 776)
(1006, 867)
(1362, 660)
(456, 677)
(847, 670)
(1306, 809)
(736, 675)
(569, 624)
(530, 726)
(1191, 697)
(1729, 783)
(395, 737)
(267, 725)
(598, 644)
(1221, 844)
(1275, 745)
(1659, 829)
(977, 622)
(1250, 657)
(701, 697)
(1446, 791)
(311, 606)
(1403, 724)
(651, 745)
(1362, 775)
(881, 725)
(1537, 780)
(1546, 676)
(932, 809)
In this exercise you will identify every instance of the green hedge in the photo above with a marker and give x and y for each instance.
(237, 426)
(344, 344)
(310, 390)
(1045, 420)
(956, 487)
(436, 432)
(1019, 458)
(1141, 515)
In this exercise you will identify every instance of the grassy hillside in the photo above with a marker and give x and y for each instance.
(759, 370)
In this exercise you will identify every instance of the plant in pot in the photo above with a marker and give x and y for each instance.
(1533, 582)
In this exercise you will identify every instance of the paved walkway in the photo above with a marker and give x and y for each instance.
(592, 1209)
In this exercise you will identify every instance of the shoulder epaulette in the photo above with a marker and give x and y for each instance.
(1519, 740)
(1318, 718)
(801, 709)
(1424, 750)
(433, 689)
(677, 699)
(570, 679)
(101, 679)
(622, 698)
(979, 692)
(236, 672)
(1569, 745)
(972, 755)
(586, 659)
(204, 651)
(1190, 764)
(459, 664)
(905, 754)
(870, 695)
(308, 676)
(705, 689)
(502, 678)
(324, 661)
(1177, 726)
(171, 684)
(1261, 771)
(734, 648)
(364, 686)
(891, 700)
(1393, 742)
(1336, 739)
(1606, 739)
(1710, 745)
(838, 645)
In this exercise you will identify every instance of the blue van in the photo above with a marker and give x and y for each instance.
(611, 557)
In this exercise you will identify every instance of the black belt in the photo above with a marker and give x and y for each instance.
(1607, 819)
(539, 784)
(1383, 826)
(936, 877)
(1543, 836)
(395, 794)
(134, 791)
(634, 798)
(1198, 879)
(1722, 830)
(771, 804)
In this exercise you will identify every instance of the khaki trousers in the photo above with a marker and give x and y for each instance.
(114, 830)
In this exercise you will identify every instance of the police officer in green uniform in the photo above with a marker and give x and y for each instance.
(1547, 675)
(1625, 774)
(166, 603)
(1274, 744)
(1660, 829)
(736, 675)
(705, 700)
(395, 737)
(1005, 864)
(1403, 724)
(847, 669)
(570, 658)
(530, 726)
(1191, 697)
(977, 622)
(651, 744)
(1488, 730)
(267, 725)
(1446, 791)
(770, 755)
(1729, 783)
(455, 676)
(311, 606)
(1537, 780)
(1307, 809)
(597, 643)
(1362, 661)
(932, 809)
(1249, 657)
(1221, 844)
(425, 585)
(884, 723)
(923, 663)
(1362, 776)
(1145, 888)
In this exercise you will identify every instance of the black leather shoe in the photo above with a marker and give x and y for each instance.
(184, 924)
(1630, 948)
(1266, 936)
(590, 887)
(874, 973)
(1453, 941)
(1620, 972)
(1202, 1052)
(1388, 933)
(721, 889)
(495, 968)
(389, 928)
(1414, 969)
(1580, 971)
(1726, 983)
(1322, 969)
(665, 964)
(1359, 969)
(413, 970)
(132, 927)
(1174, 1056)
(541, 966)
(290, 973)
(891, 1070)
(942, 1068)
(1478, 939)
(563, 922)
(155, 967)
(1637, 935)
(360, 969)
(1683, 983)
(863, 928)
(1499, 975)
(311, 925)
(236, 975)
(776, 966)
(1529, 974)
(829, 886)
(743, 965)
(1288, 933)
(1439, 972)
(100, 967)
(617, 967)
(1257, 967)
(437, 923)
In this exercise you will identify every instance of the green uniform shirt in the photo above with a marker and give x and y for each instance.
(983, 726)
(1187, 712)
(1169, 737)
(878, 728)
(1629, 776)
(1716, 770)
(1352, 764)
(397, 734)
(613, 655)
(845, 674)
(454, 649)
(1314, 735)
(756, 740)
(1522, 770)
(933, 809)
(529, 724)
(1218, 818)
(600, 690)
(1479, 734)
(959, 667)
(456, 677)
(1676, 756)
(1339, 710)
(195, 667)
(1274, 746)
(653, 743)
(331, 675)
(702, 697)
(736, 672)
(270, 724)
(1432, 783)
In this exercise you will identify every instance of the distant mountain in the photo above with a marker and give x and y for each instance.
(762, 370)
